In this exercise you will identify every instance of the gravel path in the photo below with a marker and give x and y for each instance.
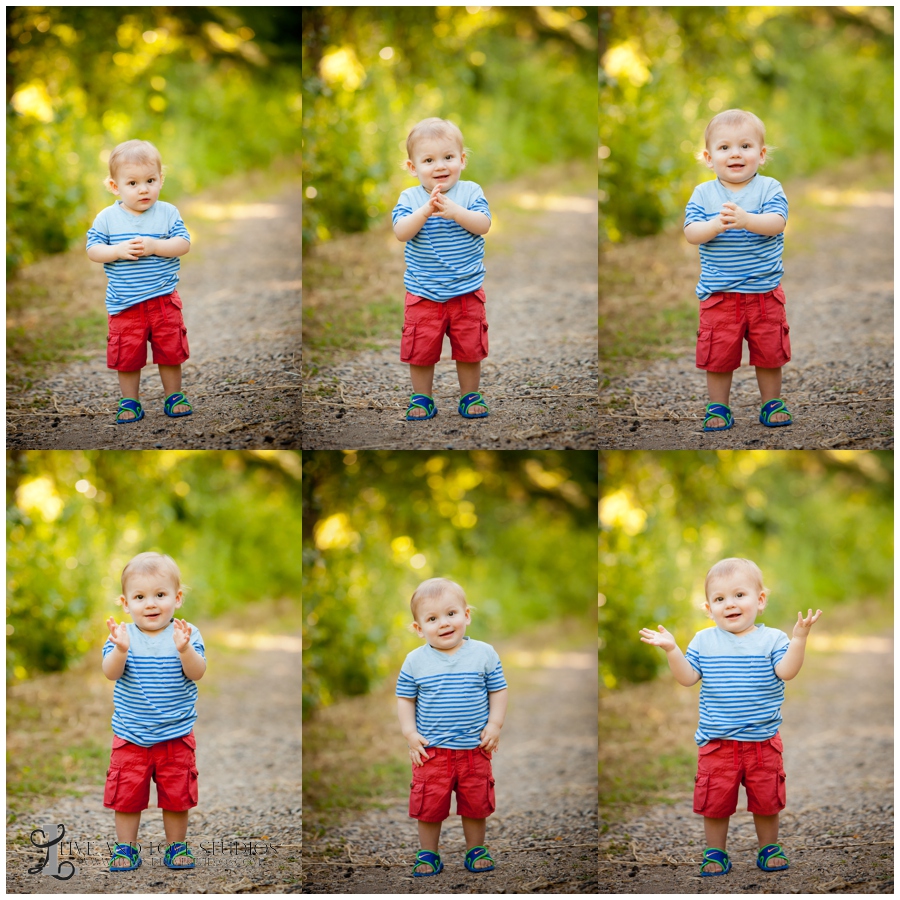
(248, 755)
(840, 382)
(837, 828)
(544, 833)
(241, 291)
(540, 379)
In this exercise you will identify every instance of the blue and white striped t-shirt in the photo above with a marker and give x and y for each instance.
(738, 260)
(451, 692)
(740, 695)
(154, 700)
(443, 260)
(131, 281)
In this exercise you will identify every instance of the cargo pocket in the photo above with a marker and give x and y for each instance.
(416, 798)
(704, 346)
(491, 800)
(193, 785)
(112, 786)
(701, 789)
(484, 337)
(407, 342)
(786, 341)
(176, 300)
(184, 342)
(113, 344)
(781, 789)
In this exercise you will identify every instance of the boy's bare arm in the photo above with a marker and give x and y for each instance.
(703, 232)
(409, 226)
(406, 712)
(192, 663)
(114, 663)
(168, 247)
(683, 671)
(792, 661)
(490, 734)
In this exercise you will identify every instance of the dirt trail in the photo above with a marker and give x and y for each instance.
(540, 379)
(241, 293)
(837, 829)
(544, 833)
(839, 384)
(248, 752)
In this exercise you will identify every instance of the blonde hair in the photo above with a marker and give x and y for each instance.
(736, 117)
(436, 587)
(432, 128)
(152, 563)
(135, 151)
(726, 567)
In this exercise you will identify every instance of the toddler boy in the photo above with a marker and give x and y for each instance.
(451, 703)
(744, 667)
(155, 662)
(738, 221)
(442, 222)
(139, 239)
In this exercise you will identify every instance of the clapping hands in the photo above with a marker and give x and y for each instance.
(732, 216)
(441, 205)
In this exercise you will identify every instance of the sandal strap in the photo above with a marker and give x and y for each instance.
(428, 858)
(125, 851)
(178, 849)
(766, 411)
(715, 855)
(718, 411)
(177, 399)
(771, 851)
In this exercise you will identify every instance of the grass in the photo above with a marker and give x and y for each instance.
(648, 308)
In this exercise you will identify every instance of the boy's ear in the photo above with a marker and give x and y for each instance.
(706, 607)
(178, 599)
(763, 599)
(463, 159)
(707, 158)
(410, 167)
(418, 629)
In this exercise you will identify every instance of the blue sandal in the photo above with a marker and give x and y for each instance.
(715, 855)
(475, 854)
(772, 851)
(421, 401)
(175, 850)
(470, 400)
(718, 411)
(125, 851)
(131, 405)
(177, 399)
(770, 409)
(429, 859)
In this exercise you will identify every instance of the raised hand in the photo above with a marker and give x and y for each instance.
(801, 629)
(732, 216)
(182, 635)
(118, 634)
(661, 639)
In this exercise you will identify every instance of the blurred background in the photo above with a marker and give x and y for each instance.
(820, 77)
(818, 523)
(515, 529)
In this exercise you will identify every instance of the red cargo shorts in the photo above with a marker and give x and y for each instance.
(468, 772)
(723, 765)
(726, 319)
(158, 320)
(171, 764)
(426, 322)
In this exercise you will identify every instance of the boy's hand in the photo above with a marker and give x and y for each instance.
(801, 629)
(131, 249)
(445, 207)
(417, 752)
(663, 640)
(182, 635)
(431, 207)
(732, 216)
(118, 634)
(490, 737)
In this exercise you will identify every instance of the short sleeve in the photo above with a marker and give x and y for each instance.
(177, 227)
(402, 209)
(197, 641)
(692, 655)
(406, 684)
(695, 210)
(108, 647)
(775, 201)
(478, 202)
(98, 232)
(780, 648)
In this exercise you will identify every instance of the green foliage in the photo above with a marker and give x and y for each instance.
(216, 89)
(818, 524)
(230, 520)
(518, 81)
(821, 78)
(516, 530)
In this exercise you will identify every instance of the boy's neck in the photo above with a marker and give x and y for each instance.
(452, 650)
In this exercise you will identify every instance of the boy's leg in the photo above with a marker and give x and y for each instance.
(130, 386)
(171, 381)
(127, 825)
(718, 385)
(769, 381)
(175, 823)
(469, 374)
(429, 836)
(767, 833)
(422, 378)
(474, 831)
(716, 833)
